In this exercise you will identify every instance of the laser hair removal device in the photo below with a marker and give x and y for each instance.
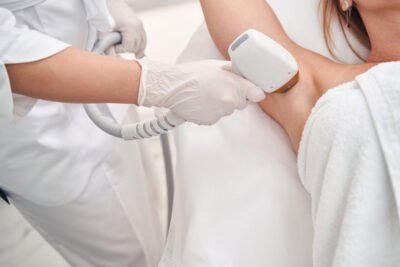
(255, 57)
(264, 62)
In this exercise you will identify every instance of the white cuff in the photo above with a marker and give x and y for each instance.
(22, 105)
(6, 100)
(143, 76)
(12, 106)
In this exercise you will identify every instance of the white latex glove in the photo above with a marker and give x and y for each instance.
(201, 92)
(134, 38)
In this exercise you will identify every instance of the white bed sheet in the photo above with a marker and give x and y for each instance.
(238, 198)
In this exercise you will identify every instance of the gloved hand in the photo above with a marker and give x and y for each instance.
(201, 92)
(134, 38)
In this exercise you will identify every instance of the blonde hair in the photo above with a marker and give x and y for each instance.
(331, 8)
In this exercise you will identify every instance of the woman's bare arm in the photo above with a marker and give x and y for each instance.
(77, 76)
(227, 19)
(291, 109)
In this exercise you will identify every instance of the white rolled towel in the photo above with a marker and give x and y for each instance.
(349, 160)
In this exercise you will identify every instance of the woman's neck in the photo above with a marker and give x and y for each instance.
(384, 32)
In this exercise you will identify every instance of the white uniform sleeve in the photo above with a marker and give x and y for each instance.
(6, 103)
(98, 15)
(20, 45)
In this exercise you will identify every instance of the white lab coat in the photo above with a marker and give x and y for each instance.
(22, 246)
(85, 192)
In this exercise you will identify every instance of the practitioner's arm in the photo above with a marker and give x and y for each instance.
(53, 72)
(200, 92)
(77, 76)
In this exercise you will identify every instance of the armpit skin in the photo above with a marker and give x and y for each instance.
(318, 74)
(292, 108)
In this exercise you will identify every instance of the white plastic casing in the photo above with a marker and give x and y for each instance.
(264, 62)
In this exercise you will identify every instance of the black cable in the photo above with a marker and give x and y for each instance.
(3, 195)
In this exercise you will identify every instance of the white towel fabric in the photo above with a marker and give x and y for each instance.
(349, 160)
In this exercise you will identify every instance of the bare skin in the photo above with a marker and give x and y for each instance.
(318, 73)
(76, 76)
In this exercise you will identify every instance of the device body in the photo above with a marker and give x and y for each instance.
(264, 62)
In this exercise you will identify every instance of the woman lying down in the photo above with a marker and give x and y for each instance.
(343, 121)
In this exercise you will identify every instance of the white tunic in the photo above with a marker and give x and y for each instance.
(83, 191)
(53, 132)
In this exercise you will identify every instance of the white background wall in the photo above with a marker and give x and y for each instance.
(169, 27)
(147, 4)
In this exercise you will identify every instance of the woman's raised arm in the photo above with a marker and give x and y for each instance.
(227, 19)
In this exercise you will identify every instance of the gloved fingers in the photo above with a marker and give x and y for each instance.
(207, 122)
(232, 101)
(143, 44)
(253, 93)
(209, 118)
(128, 43)
(137, 45)
(246, 88)
(193, 109)
(144, 39)
(140, 45)
(241, 103)
(125, 47)
(197, 115)
(226, 112)
(111, 52)
(140, 55)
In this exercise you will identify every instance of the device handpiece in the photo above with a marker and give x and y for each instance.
(264, 62)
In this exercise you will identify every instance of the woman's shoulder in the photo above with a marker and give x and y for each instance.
(344, 108)
(385, 74)
(343, 117)
(343, 100)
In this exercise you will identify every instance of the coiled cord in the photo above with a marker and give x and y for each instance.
(136, 131)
